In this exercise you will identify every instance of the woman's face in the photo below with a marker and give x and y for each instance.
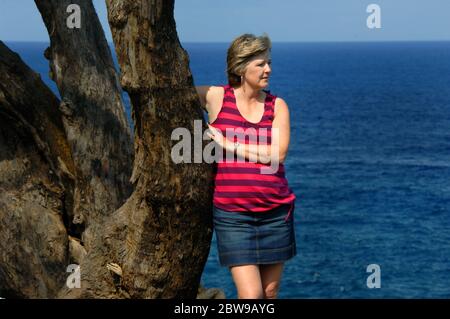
(258, 70)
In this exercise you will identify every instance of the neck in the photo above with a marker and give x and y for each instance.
(248, 93)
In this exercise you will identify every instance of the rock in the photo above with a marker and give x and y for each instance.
(210, 293)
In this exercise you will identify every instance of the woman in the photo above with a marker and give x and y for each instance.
(252, 210)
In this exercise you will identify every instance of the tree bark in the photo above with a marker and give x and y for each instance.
(166, 224)
(36, 184)
(93, 113)
(158, 237)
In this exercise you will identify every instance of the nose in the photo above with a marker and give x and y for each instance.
(267, 68)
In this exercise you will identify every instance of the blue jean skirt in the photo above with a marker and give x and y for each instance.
(254, 238)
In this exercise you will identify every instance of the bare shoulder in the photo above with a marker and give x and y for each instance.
(214, 92)
(213, 99)
(280, 106)
(209, 95)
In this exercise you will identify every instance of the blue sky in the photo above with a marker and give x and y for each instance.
(283, 20)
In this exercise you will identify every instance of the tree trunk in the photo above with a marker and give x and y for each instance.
(36, 184)
(73, 162)
(161, 236)
(93, 113)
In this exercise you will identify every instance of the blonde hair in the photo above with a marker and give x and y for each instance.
(241, 51)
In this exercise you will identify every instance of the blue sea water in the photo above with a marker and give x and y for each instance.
(369, 161)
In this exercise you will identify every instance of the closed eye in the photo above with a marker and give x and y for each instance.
(263, 63)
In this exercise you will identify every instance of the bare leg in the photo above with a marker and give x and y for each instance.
(247, 279)
(270, 279)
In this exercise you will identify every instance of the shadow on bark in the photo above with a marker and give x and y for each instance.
(68, 190)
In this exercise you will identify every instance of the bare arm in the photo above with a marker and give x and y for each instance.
(206, 94)
(281, 128)
(276, 151)
(211, 98)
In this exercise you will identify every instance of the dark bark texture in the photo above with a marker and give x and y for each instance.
(69, 191)
(36, 184)
(93, 114)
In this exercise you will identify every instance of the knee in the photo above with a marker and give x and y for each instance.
(271, 291)
(250, 294)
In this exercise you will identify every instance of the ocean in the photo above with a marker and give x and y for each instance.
(369, 162)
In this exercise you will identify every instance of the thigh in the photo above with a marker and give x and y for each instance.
(271, 277)
(247, 279)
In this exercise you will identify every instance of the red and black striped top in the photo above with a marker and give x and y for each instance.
(241, 186)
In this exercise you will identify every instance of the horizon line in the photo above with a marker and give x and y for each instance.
(300, 41)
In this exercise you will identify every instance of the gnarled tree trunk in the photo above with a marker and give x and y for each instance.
(160, 235)
(37, 178)
(93, 113)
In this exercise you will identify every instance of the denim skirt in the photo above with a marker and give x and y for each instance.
(245, 238)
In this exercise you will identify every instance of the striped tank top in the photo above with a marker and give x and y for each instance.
(240, 186)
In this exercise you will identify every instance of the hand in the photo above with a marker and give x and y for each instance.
(215, 135)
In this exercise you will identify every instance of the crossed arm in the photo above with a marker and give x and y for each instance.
(276, 151)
